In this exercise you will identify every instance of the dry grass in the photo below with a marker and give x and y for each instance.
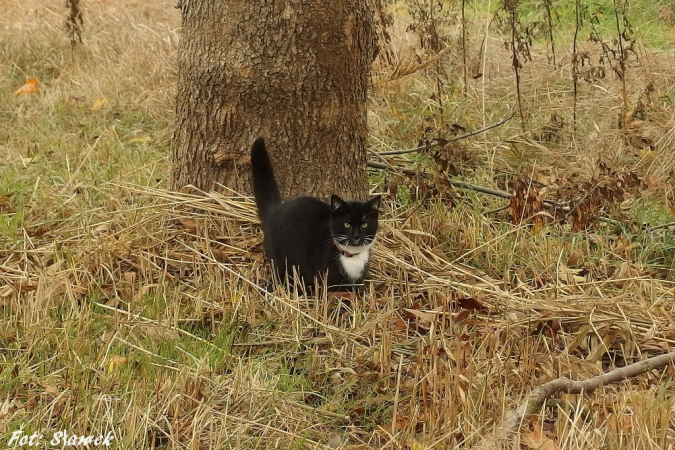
(128, 308)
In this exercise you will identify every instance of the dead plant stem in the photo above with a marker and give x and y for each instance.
(622, 69)
(575, 63)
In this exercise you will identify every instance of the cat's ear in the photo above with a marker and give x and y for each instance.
(374, 203)
(336, 203)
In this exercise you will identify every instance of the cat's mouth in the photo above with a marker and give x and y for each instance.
(352, 249)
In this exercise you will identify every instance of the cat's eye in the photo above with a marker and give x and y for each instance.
(348, 225)
(365, 225)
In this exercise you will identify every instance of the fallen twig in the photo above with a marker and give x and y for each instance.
(457, 183)
(474, 187)
(447, 141)
(534, 401)
(661, 227)
(496, 210)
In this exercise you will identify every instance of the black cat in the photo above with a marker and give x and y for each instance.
(315, 238)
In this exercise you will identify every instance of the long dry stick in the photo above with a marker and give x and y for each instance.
(457, 183)
(447, 141)
(534, 401)
(662, 226)
(474, 187)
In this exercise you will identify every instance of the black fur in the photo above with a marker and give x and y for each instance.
(301, 233)
(265, 189)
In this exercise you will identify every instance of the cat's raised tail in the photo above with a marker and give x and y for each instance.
(265, 189)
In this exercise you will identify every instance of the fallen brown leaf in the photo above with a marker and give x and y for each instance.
(30, 87)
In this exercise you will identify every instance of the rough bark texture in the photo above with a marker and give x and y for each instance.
(295, 72)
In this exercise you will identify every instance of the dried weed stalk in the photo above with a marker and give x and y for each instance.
(578, 23)
(74, 22)
(383, 21)
(604, 190)
(429, 18)
(526, 204)
(548, 6)
(521, 37)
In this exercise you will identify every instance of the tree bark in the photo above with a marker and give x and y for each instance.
(293, 72)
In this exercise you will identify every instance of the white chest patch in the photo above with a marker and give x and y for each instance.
(355, 266)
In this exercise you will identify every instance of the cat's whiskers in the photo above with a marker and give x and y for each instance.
(331, 240)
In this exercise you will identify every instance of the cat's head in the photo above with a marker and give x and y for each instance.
(354, 224)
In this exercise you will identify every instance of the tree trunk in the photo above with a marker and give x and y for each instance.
(293, 72)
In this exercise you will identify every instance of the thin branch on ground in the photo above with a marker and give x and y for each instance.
(662, 226)
(496, 210)
(536, 399)
(457, 183)
(447, 141)
(477, 188)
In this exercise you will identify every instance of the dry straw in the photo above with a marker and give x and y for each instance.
(424, 342)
